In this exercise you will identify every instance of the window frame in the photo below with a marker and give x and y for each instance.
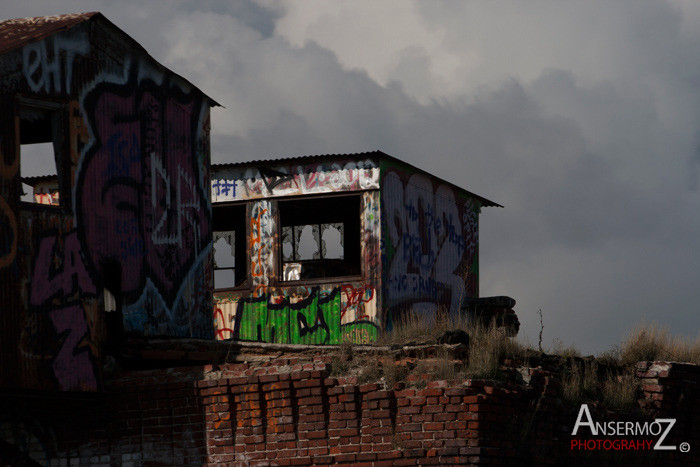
(61, 151)
(245, 285)
(279, 261)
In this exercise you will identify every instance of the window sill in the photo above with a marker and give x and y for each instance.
(321, 281)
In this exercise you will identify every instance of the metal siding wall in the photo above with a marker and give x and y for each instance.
(430, 243)
(298, 315)
(11, 306)
(135, 156)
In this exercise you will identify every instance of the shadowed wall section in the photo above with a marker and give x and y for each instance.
(125, 243)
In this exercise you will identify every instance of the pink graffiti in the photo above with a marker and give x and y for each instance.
(72, 366)
(60, 275)
(142, 203)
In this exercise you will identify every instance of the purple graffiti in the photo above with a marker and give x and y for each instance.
(60, 276)
(72, 365)
(224, 188)
(140, 198)
(59, 270)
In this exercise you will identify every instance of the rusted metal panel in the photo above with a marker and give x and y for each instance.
(430, 241)
(19, 32)
(133, 161)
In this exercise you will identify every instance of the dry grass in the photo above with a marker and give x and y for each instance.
(580, 383)
(442, 367)
(488, 344)
(370, 372)
(393, 373)
(422, 328)
(563, 350)
(620, 391)
(649, 342)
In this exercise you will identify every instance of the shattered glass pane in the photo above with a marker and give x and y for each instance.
(225, 249)
(224, 278)
(307, 242)
(287, 244)
(332, 241)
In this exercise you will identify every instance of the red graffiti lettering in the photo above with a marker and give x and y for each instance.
(355, 296)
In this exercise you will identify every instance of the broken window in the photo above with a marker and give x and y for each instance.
(320, 237)
(230, 265)
(40, 136)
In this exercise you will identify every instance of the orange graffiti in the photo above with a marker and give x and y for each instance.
(220, 418)
(256, 244)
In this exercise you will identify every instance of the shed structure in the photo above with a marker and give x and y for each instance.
(117, 237)
(331, 249)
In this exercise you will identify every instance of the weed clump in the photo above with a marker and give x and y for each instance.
(580, 383)
(620, 391)
(649, 342)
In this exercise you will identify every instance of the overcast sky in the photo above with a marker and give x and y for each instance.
(581, 117)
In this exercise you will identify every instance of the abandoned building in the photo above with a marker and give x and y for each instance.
(333, 248)
(120, 229)
(114, 233)
(131, 276)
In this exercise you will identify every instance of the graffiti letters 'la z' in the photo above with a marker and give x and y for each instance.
(59, 282)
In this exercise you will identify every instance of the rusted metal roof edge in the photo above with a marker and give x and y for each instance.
(79, 18)
(41, 31)
(31, 181)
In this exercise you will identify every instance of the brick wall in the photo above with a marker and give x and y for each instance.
(288, 411)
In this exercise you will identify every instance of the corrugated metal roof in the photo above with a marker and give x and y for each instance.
(32, 181)
(310, 158)
(355, 155)
(18, 32)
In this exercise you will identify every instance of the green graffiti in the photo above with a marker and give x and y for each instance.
(314, 319)
(360, 333)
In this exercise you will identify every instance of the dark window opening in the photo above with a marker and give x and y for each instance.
(320, 237)
(230, 260)
(40, 136)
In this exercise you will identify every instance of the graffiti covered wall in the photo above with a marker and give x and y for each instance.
(268, 309)
(132, 158)
(430, 242)
(249, 182)
(141, 199)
